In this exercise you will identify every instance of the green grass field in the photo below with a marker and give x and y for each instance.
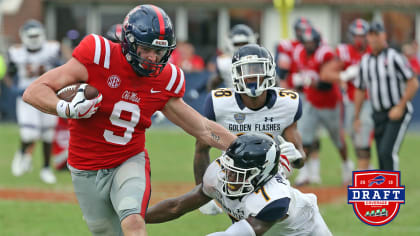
(171, 155)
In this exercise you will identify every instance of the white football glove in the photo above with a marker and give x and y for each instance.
(300, 79)
(288, 149)
(286, 169)
(210, 208)
(79, 107)
(350, 73)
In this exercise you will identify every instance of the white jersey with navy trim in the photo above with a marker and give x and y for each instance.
(283, 107)
(29, 63)
(301, 208)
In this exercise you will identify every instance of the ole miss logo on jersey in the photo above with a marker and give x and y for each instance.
(376, 196)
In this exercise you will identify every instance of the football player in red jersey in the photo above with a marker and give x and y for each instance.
(285, 67)
(107, 157)
(323, 98)
(284, 53)
(346, 69)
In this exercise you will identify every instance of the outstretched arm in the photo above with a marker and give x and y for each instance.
(173, 208)
(206, 131)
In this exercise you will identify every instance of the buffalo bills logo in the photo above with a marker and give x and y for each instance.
(377, 180)
(376, 196)
(240, 118)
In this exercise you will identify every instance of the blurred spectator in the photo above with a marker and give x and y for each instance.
(410, 53)
(184, 56)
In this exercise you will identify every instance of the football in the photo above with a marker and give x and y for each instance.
(67, 93)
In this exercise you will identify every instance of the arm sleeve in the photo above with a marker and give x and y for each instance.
(275, 210)
(299, 111)
(403, 66)
(208, 108)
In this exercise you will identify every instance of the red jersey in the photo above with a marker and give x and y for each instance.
(285, 52)
(116, 131)
(310, 65)
(350, 56)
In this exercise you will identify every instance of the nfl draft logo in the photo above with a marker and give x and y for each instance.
(376, 196)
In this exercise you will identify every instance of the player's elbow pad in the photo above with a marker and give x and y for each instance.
(240, 228)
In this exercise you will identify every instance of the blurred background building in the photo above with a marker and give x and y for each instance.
(206, 23)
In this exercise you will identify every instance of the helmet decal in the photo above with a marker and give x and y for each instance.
(161, 22)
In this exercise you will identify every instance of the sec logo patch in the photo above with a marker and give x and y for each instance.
(114, 81)
(376, 196)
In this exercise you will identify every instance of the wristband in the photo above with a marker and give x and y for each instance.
(61, 108)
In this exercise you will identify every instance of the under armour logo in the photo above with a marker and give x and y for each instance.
(266, 119)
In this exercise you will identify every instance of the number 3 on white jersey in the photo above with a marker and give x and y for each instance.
(117, 121)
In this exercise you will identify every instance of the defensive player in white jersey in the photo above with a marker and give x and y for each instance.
(239, 35)
(246, 182)
(254, 104)
(27, 62)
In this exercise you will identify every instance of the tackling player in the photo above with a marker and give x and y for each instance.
(254, 104)
(108, 161)
(246, 182)
(346, 70)
(239, 35)
(27, 62)
(323, 105)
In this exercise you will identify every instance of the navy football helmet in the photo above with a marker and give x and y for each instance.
(358, 27)
(300, 25)
(249, 162)
(147, 26)
(240, 35)
(311, 40)
(253, 61)
(32, 35)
